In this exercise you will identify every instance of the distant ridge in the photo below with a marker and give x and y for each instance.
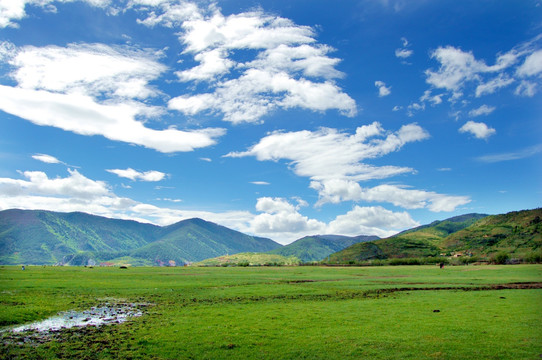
(318, 247)
(47, 237)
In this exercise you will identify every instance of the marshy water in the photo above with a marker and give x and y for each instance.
(94, 317)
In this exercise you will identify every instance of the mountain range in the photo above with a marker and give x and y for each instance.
(318, 247)
(46, 237)
(516, 233)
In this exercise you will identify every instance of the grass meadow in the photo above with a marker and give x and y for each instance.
(389, 312)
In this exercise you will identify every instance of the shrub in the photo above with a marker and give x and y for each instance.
(468, 260)
(499, 258)
(533, 257)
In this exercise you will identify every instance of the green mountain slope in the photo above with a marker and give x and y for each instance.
(195, 240)
(318, 247)
(473, 234)
(516, 232)
(45, 237)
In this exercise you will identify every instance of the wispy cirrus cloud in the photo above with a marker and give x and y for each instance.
(47, 159)
(482, 110)
(509, 156)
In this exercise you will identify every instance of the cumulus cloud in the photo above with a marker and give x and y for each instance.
(277, 218)
(151, 175)
(334, 161)
(404, 52)
(75, 192)
(64, 87)
(289, 69)
(328, 153)
(108, 71)
(460, 71)
(478, 129)
(374, 220)
(281, 220)
(337, 190)
(383, 90)
(75, 186)
(532, 65)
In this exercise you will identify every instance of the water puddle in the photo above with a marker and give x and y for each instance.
(94, 317)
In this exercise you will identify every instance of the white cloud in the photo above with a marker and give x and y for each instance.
(170, 13)
(10, 11)
(79, 193)
(328, 153)
(334, 163)
(478, 129)
(403, 53)
(460, 71)
(482, 110)
(289, 69)
(76, 186)
(374, 220)
(278, 218)
(47, 159)
(14, 10)
(526, 88)
(95, 90)
(493, 85)
(517, 155)
(89, 69)
(259, 182)
(456, 68)
(383, 90)
(82, 115)
(281, 220)
(151, 175)
(532, 65)
(337, 190)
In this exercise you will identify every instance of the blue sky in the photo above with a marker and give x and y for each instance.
(278, 119)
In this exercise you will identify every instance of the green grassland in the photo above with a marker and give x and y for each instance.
(388, 312)
(249, 259)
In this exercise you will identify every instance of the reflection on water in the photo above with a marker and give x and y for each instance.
(96, 316)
